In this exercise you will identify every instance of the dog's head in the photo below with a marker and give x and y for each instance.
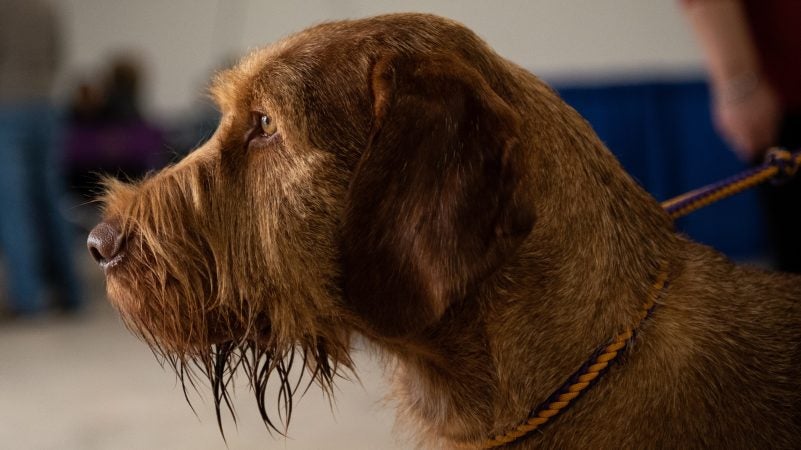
(364, 176)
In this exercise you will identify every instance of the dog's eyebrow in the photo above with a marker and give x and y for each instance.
(222, 90)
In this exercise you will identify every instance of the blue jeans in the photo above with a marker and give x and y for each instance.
(35, 239)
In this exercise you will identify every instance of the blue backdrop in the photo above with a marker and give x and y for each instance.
(663, 135)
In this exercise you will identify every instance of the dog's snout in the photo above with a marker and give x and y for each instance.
(105, 243)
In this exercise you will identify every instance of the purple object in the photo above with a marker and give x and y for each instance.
(114, 145)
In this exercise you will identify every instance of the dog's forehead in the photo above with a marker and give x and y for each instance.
(336, 46)
(288, 58)
(280, 64)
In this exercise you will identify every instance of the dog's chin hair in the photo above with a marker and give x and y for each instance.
(203, 346)
(200, 346)
(296, 368)
(260, 365)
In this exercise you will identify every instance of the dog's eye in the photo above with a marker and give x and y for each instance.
(268, 127)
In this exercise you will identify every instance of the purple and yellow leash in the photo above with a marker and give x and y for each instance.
(779, 165)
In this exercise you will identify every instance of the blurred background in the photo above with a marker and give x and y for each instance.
(91, 87)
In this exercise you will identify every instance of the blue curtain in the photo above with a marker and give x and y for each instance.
(663, 135)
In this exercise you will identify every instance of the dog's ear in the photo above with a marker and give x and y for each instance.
(431, 207)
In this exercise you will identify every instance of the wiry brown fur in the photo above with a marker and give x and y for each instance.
(443, 202)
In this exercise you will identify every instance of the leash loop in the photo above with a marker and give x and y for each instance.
(782, 159)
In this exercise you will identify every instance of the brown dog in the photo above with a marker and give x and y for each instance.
(396, 178)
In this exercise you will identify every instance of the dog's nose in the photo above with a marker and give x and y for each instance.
(105, 242)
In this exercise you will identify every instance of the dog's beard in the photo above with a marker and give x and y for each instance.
(202, 347)
(260, 365)
(178, 306)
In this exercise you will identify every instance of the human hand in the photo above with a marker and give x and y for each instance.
(747, 119)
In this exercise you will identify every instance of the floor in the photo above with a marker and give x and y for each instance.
(84, 383)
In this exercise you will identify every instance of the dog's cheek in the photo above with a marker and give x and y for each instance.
(296, 196)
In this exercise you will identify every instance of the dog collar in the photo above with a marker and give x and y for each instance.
(585, 377)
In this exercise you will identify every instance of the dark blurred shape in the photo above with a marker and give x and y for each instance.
(122, 91)
(107, 132)
(85, 104)
(35, 239)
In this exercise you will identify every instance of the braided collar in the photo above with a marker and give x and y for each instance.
(586, 376)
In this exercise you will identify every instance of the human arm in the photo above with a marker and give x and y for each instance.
(746, 108)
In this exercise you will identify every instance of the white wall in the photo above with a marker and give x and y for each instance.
(183, 40)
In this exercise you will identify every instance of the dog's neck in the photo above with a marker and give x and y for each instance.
(580, 277)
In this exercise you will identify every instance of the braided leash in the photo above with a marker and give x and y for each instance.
(583, 378)
(780, 164)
